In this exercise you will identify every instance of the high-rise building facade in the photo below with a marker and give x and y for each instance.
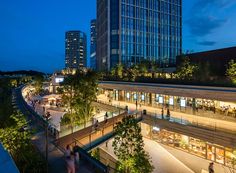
(93, 44)
(76, 49)
(130, 31)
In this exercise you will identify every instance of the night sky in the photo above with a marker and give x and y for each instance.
(32, 32)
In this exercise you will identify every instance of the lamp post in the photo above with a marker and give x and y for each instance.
(46, 116)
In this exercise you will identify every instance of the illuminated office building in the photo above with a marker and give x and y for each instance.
(130, 31)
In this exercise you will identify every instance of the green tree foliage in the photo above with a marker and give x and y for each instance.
(128, 147)
(18, 143)
(85, 94)
(5, 102)
(68, 100)
(118, 71)
(231, 71)
(132, 72)
(186, 71)
(79, 91)
(143, 68)
(38, 83)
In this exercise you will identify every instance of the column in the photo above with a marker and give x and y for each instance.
(194, 106)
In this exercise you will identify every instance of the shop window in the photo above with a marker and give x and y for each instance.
(211, 152)
(220, 155)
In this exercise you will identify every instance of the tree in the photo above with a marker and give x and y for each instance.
(79, 92)
(120, 69)
(68, 100)
(154, 69)
(128, 147)
(38, 83)
(5, 102)
(186, 71)
(231, 71)
(132, 72)
(85, 94)
(143, 67)
(17, 141)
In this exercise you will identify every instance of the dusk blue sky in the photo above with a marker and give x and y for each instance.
(32, 32)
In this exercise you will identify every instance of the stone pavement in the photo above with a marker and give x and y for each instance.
(55, 156)
(170, 160)
(197, 164)
(162, 160)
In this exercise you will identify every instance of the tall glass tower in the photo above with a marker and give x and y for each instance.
(130, 31)
(76, 49)
(93, 44)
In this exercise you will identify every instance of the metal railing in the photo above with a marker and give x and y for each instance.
(213, 126)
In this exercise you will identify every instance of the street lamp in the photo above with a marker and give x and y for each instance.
(46, 116)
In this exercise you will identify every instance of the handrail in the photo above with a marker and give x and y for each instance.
(91, 160)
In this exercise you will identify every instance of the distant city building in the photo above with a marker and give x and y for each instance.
(93, 44)
(76, 49)
(129, 32)
(215, 60)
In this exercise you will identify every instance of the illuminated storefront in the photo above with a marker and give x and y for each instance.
(188, 105)
(204, 149)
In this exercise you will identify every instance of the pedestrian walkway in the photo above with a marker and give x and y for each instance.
(56, 160)
(91, 134)
(197, 120)
(55, 156)
(197, 164)
(163, 161)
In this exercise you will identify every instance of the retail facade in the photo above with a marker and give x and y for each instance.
(195, 101)
(198, 147)
(192, 100)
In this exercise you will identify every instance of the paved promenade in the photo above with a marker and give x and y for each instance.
(199, 120)
(166, 159)
(163, 161)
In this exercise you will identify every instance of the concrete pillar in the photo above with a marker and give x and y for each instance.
(194, 106)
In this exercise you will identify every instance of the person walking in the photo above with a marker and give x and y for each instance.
(106, 117)
(211, 168)
(77, 160)
(68, 151)
(96, 125)
(70, 163)
(162, 113)
(168, 113)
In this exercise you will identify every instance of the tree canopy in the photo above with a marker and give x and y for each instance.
(186, 71)
(17, 141)
(128, 147)
(231, 71)
(79, 91)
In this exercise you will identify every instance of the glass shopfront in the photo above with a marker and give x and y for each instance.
(195, 106)
(204, 149)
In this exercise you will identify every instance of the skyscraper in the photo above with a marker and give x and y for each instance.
(93, 44)
(76, 49)
(130, 31)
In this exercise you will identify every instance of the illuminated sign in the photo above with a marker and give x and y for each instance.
(182, 103)
(59, 79)
(161, 100)
(157, 96)
(142, 97)
(171, 101)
